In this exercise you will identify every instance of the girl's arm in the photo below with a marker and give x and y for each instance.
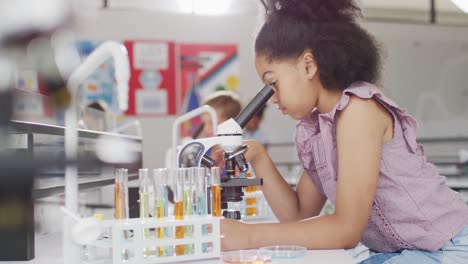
(362, 128)
(287, 204)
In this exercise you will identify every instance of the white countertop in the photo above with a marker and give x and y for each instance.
(49, 251)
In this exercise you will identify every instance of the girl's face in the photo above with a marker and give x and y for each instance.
(294, 83)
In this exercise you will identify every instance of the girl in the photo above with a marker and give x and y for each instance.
(357, 147)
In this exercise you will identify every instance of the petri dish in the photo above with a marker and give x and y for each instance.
(246, 257)
(285, 252)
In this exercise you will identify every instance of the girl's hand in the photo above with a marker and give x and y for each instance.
(254, 150)
(236, 235)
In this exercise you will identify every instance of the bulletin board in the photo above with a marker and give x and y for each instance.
(165, 78)
(204, 69)
(153, 77)
(29, 100)
(100, 85)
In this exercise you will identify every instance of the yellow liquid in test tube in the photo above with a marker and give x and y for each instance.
(160, 230)
(119, 211)
(144, 213)
(119, 200)
(179, 215)
(216, 200)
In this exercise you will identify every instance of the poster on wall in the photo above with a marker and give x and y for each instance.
(204, 69)
(29, 99)
(99, 87)
(152, 77)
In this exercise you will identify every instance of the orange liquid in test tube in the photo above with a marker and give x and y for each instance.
(160, 230)
(251, 202)
(215, 191)
(216, 200)
(118, 208)
(179, 215)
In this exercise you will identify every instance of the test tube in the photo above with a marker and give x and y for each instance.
(188, 205)
(179, 208)
(170, 206)
(200, 190)
(215, 191)
(194, 182)
(160, 190)
(118, 197)
(188, 178)
(125, 193)
(200, 198)
(250, 198)
(121, 201)
(144, 203)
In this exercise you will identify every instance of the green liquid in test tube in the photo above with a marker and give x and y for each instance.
(200, 194)
(169, 209)
(188, 205)
(144, 203)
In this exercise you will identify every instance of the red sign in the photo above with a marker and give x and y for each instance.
(153, 77)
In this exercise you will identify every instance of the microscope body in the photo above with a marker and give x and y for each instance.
(229, 138)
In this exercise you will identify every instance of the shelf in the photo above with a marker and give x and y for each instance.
(43, 144)
(45, 187)
(26, 127)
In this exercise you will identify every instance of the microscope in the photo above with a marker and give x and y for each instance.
(229, 138)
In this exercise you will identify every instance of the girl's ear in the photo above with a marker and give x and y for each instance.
(310, 64)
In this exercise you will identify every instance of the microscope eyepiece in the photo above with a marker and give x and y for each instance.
(254, 106)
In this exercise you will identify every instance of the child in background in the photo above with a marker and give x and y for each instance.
(358, 148)
(253, 131)
(227, 105)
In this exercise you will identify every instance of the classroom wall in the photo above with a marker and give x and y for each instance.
(425, 68)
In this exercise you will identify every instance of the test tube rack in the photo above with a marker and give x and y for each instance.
(137, 243)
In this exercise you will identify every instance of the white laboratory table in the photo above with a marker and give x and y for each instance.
(49, 251)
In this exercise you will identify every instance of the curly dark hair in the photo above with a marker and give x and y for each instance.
(344, 52)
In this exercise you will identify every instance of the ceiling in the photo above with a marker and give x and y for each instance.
(420, 5)
(412, 11)
(245, 6)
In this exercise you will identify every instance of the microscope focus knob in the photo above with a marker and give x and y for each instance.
(241, 163)
(232, 214)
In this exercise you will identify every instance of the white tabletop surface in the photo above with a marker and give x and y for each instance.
(49, 251)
